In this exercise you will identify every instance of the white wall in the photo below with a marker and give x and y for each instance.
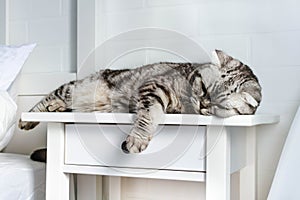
(264, 34)
(52, 25)
(3, 21)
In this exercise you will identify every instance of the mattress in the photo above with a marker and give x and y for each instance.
(21, 178)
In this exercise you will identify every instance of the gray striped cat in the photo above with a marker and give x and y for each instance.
(223, 88)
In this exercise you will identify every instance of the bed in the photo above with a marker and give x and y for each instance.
(21, 178)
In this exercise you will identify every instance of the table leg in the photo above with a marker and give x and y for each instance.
(217, 163)
(248, 173)
(57, 182)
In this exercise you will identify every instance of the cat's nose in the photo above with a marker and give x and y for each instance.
(124, 147)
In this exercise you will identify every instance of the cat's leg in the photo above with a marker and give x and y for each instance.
(144, 127)
(57, 101)
(151, 106)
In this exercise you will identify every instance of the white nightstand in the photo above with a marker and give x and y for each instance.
(187, 147)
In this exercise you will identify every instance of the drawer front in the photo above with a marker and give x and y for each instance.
(172, 147)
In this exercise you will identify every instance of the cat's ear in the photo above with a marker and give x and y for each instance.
(220, 58)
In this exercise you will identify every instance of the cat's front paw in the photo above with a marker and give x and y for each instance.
(134, 145)
(205, 111)
(27, 125)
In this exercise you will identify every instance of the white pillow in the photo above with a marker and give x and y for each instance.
(12, 59)
(8, 110)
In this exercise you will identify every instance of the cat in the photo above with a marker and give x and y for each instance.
(224, 87)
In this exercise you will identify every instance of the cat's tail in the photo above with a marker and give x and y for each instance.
(57, 101)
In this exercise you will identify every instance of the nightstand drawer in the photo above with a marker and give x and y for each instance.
(172, 147)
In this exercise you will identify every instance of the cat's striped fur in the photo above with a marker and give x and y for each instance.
(224, 88)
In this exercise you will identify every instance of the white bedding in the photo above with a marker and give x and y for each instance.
(21, 178)
(8, 109)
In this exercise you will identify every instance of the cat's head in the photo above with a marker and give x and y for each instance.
(237, 89)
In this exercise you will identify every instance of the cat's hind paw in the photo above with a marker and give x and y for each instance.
(134, 145)
(27, 125)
